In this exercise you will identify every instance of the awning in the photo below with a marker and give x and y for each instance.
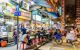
(42, 3)
(53, 14)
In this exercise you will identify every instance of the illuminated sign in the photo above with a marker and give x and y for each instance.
(26, 14)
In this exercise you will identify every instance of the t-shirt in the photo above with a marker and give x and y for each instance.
(23, 30)
(70, 36)
(58, 35)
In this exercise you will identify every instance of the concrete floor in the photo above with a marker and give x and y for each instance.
(54, 46)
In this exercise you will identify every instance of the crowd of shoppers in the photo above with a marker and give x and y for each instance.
(31, 38)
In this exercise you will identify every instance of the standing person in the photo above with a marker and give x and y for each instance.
(20, 37)
(47, 34)
(71, 36)
(23, 29)
(51, 33)
(76, 31)
(15, 35)
(58, 35)
(64, 32)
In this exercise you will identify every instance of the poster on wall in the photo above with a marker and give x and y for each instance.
(35, 12)
(26, 14)
(60, 10)
(36, 17)
(25, 5)
(7, 10)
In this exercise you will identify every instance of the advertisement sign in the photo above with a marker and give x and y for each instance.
(7, 10)
(13, 10)
(45, 20)
(17, 12)
(25, 5)
(36, 17)
(26, 14)
(60, 10)
(35, 12)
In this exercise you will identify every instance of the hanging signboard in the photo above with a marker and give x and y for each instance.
(26, 14)
(60, 10)
(35, 12)
(36, 17)
(25, 5)
(17, 13)
(45, 20)
(7, 10)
